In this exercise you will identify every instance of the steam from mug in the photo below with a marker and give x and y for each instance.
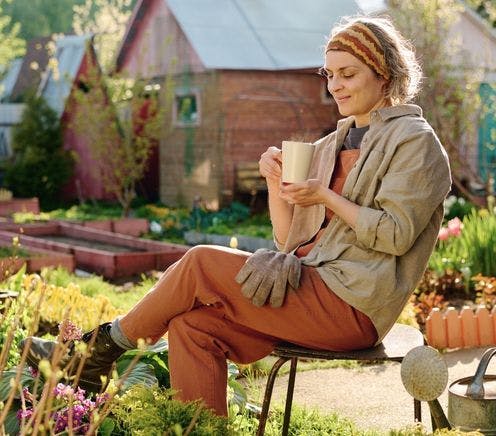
(296, 160)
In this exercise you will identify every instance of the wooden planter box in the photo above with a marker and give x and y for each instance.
(37, 260)
(107, 253)
(126, 226)
(8, 207)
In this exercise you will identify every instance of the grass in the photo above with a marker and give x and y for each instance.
(10, 252)
(121, 297)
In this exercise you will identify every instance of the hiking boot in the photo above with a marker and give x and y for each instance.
(99, 358)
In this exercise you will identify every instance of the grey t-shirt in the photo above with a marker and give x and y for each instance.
(354, 137)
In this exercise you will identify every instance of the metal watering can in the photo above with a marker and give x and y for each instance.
(471, 400)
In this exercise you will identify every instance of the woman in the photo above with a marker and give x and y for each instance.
(354, 239)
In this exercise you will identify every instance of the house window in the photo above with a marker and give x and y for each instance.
(187, 108)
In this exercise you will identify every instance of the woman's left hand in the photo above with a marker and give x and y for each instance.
(303, 194)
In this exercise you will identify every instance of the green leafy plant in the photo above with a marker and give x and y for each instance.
(40, 166)
(473, 251)
(144, 411)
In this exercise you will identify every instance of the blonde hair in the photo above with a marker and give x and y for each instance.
(405, 73)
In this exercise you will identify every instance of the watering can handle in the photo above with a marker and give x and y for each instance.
(475, 390)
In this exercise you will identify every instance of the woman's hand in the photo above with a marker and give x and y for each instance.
(305, 193)
(270, 164)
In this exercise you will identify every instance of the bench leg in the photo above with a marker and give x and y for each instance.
(268, 394)
(417, 410)
(289, 396)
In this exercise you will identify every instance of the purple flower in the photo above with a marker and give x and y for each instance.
(33, 371)
(24, 414)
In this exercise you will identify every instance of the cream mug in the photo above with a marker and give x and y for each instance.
(296, 160)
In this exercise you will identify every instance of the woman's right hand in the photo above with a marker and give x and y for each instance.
(270, 164)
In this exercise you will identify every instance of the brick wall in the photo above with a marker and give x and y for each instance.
(242, 113)
(264, 108)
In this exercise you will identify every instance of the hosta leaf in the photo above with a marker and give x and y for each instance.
(141, 373)
(10, 374)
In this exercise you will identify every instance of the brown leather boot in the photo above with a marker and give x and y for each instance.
(99, 358)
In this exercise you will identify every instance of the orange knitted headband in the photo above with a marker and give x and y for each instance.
(361, 42)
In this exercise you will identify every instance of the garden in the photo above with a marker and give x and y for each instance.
(138, 398)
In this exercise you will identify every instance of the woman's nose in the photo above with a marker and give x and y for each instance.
(334, 84)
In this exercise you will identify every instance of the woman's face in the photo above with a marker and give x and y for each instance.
(356, 89)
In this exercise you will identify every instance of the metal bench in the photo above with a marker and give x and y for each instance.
(394, 347)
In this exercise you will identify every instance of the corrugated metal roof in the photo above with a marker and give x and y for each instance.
(56, 88)
(261, 34)
(10, 79)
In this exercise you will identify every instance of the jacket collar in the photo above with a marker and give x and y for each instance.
(383, 114)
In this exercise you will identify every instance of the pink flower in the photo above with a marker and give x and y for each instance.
(444, 234)
(455, 227)
(69, 331)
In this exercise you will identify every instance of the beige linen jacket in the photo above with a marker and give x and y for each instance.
(400, 181)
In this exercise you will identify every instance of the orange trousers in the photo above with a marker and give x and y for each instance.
(201, 306)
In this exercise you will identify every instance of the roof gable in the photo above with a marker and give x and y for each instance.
(69, 54)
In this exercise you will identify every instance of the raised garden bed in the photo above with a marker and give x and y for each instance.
(109, 254)
(35, 259)
(8, 207)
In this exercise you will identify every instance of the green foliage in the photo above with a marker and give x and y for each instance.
(123, 120)
(106, 19)
(41, 17)
(234, 219)
(88, 212)
(471, 253)
(40, 166)
(144, 411)
(155, 357)
(450, 92)
(457, 207)
(96, 285)
(13, 251)
(11, 44)
(11, 330)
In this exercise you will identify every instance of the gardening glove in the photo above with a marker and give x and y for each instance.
(267, 274)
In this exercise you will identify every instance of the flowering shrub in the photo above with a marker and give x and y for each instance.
(467, 246)
(71, 410)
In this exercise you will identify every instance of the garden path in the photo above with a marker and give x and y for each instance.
(373, 396)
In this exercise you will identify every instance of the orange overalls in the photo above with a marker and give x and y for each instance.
(201, 306)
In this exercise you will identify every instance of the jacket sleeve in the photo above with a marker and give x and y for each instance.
(415, 184)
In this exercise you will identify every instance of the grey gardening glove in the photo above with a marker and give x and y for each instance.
(268, 273)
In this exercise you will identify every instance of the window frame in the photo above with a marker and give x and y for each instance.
(184, 92)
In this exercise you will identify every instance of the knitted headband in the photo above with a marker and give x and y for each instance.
(361, 42)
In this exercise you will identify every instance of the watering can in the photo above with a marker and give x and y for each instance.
(471, 400)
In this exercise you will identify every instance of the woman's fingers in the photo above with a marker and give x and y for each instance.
(270, 163)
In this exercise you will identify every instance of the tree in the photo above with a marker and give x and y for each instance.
(122, 120)
(11, 45)
(40, 166)
(450, 98)
(41, 17)
(107, 20)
